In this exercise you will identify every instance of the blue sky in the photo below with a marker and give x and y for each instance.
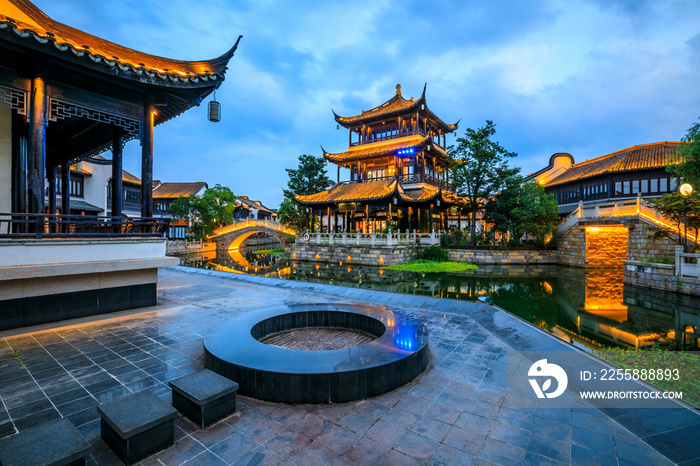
(584, 77)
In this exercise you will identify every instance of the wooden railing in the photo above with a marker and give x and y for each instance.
(38, 226)
(369, 239)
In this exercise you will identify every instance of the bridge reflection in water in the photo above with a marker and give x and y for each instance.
(589, 308)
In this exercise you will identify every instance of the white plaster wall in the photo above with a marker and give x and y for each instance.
(561, 163)
(5, 158)
(96, 185)
(59, 251)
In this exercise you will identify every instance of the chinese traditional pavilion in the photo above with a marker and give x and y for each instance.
(398, 168)
(65, 97)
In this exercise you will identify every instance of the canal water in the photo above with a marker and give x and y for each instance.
(588, 308)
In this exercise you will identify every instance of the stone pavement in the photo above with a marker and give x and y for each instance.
(459, 411)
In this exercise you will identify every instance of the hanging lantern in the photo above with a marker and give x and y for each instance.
(214, 110)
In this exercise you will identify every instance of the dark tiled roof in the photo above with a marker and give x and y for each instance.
(422, 194)
(129, 178)
(175, 190)
(35, 26)
(379, 149)
(80, 205)
(352, 192)
(642, 157)
(248, 203)
(395, 106)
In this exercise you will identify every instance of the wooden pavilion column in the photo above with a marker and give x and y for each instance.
(36, 155)
(328, 215)
(430, 218)
(53, 178)
(335, 221)
(147, 160)
(117, 186)
(65, 188)
(20, 136)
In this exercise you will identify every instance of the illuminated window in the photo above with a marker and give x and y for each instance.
(663, 185)
(654, 185)
(618, 188)
(645, 186)
(635, 186)
(626, 187)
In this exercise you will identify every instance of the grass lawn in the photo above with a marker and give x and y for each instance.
(269, 251)
(687, 363)
(432, 266)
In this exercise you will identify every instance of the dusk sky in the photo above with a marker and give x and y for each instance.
(584, 77)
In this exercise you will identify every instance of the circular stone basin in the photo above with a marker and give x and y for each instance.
(396, 356)
(318, 339)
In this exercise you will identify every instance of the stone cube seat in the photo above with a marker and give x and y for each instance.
(137, 425)
(204, 396)
(56, 443)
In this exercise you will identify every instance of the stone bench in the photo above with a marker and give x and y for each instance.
(204, 396)
(56, 442)
(137, 425)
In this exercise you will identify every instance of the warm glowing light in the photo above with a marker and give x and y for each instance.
(349, 258)
(381, 272)
(593, 229)
(547, 287)
(685, 189)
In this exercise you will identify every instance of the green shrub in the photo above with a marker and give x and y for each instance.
(434, 253)
(665, 259)
(446, 240)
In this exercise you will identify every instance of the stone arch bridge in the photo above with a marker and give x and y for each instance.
(232, 236)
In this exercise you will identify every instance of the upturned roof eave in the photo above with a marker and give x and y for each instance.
(337, 158)
(107, 55)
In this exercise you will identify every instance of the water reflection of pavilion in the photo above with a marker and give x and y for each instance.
(587, 307)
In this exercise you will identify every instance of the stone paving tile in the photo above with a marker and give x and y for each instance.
(459, 411)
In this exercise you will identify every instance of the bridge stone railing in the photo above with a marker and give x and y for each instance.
(370, 239)
(269, 224)
(624, 208)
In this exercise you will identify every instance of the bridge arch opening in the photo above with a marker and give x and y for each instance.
(238, 241)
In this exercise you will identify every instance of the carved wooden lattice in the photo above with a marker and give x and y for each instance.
(59, 109)
(15, 98)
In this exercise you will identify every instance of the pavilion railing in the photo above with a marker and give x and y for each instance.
(370, 239)
(38, 226)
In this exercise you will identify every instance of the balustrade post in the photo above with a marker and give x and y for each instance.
(330, 238)
(388, 239)
(344, 239)
(318, 237)
(371, 238)
(357, 238)
(639, 201)
(679, 260)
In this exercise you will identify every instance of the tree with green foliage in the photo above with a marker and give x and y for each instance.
(523, 208)
(672, 206)
(308, 178)
(688, 155)
(479, 168)
(293, 215)
(203, 214)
